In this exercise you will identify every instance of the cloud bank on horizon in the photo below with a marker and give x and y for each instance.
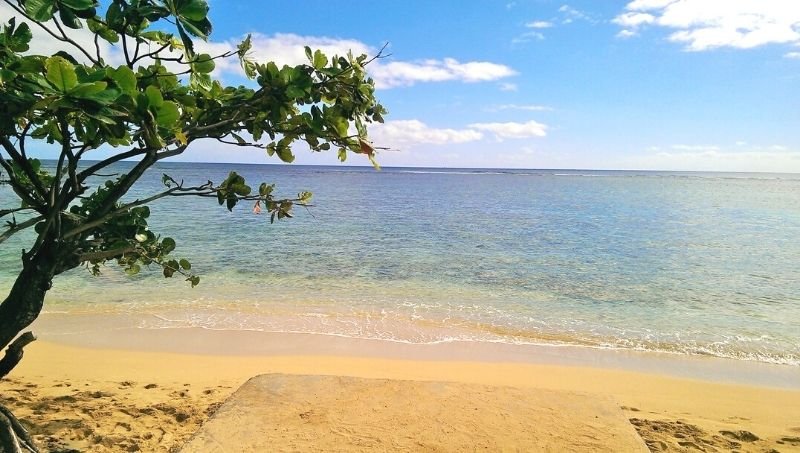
(643, 84)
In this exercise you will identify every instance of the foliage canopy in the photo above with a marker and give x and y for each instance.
(145, 89)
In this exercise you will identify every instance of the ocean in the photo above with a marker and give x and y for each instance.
(687, 263)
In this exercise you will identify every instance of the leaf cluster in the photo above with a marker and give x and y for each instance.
(153, 106)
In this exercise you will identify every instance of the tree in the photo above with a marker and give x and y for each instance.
(154, 106)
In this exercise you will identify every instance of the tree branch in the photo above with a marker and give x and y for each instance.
(19, 189)
(14, 353)
(105, 254)
(62, 38)
(105, 163)
(117, 212)
(24, 164)
(19, 227)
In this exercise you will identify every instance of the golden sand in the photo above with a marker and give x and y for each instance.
(94, 399)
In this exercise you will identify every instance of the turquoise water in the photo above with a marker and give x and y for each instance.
(693, 263)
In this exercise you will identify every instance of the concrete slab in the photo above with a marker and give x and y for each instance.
(276, 412)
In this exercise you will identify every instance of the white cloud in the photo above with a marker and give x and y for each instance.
(709, 24)
(408, 133)
(571, 14)
(695, 147)
(527, 107)
(717, 160)
(792, 55)
(508, 86)
(737, 157)
(401, 133)
(625, 34)
(288, 48)
(402, 73)
(527, 37)
(539, 24)
(634, 19)
(513, 130)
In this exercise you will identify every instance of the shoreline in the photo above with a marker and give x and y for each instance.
(211, 342)
(126, 384)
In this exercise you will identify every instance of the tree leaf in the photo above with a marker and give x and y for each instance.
(154, 97)
(285, 154)
(203, 64)
(167, 114)
(84, 90)
(40, 10)
(168, 245)
(18, 41)
(195, 10)
(320, 60)
(69, 18)
(78, 4)
(61, 73)
(124, 78)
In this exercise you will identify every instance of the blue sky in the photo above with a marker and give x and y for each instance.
(647, 84)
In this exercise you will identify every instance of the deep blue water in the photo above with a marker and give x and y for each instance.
(698, 263)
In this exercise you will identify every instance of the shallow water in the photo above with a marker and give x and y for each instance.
(695, 263)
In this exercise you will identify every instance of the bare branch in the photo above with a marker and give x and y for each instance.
(5, 212)
(105, 163)
(117, 212)
(14, 353)
(16, 228)
(105, 254)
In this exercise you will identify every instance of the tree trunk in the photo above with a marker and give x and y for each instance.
(18, 311)
(26, 298)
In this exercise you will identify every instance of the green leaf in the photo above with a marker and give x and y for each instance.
(320, 60)
(69, 18)
(106, 97)
(78, 4)
(168, 245)
(125, 79)
(133, 269)
(186, 265)
(201, 29)
(285, 154)
(200, 81)
(195, 10)
(265, 189)
(40, 10)
(168, 114)
(203, 64)
(19, 39)
(101, 29)
(87, 89)
(6, 76)
(341, 125)
(154, 97)
(61, 73)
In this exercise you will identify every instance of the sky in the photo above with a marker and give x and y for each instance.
(706, 85)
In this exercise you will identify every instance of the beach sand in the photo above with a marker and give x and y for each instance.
(123, 399)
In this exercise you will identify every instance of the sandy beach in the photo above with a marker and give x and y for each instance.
(143, 398)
